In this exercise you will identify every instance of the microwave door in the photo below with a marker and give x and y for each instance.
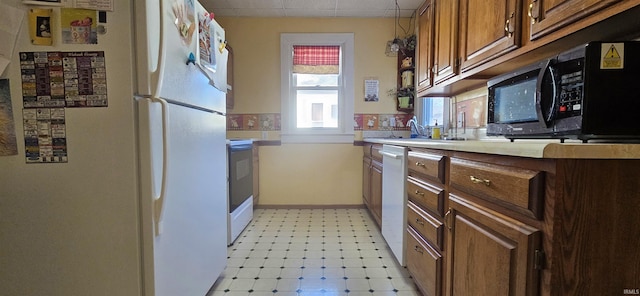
(547, 94)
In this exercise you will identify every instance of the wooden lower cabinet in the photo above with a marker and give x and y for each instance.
(424, 253)
(490, 254)
(366, 182)
(484, 224)
(376, 191)
(372, 181)
(424, 263)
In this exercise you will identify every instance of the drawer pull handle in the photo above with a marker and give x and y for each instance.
(417, 249)
(477, 180)
(530, 13)
(418, 192)
(419, 221)
(420, 164)
(447, 223)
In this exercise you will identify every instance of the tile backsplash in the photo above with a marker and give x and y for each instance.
(362, 122)
(254, 122)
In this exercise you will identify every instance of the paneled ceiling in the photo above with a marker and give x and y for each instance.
(312, 8)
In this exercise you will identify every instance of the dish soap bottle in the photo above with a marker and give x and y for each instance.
(435, 132)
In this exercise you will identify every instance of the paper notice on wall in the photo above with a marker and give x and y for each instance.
(45, 137)
(63, 79)
(8, 144)
(94, 4)
(45, 2)
(10, 22)
(86, 4)
(4, 62)
(78, 26)
(40, 26)
(371, 90)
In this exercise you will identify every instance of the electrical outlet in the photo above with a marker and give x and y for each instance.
(460, 123)
(264, 135)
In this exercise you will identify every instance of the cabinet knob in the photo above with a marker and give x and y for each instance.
(418, 192)
(419, 221)
(418, 249)
(420, 164)
(477, 180)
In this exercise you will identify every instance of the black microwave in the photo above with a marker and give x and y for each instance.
(590, 92)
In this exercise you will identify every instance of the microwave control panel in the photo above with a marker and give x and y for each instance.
(570, 84)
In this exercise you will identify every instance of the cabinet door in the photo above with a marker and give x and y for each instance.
(483, 37)
(376, 191)
(489, 253)
(424, 263)
(549, 15)
(445, 50)
(425, 46)
(366, 182)
(256, 175)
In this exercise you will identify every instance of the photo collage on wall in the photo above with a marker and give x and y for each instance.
(51, 82)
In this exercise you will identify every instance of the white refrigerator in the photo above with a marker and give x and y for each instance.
(139, 207)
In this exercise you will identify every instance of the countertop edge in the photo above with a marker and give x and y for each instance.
(530, 148)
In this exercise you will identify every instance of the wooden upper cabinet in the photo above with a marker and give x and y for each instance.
(446, 39)
(424, 52)
(487, 29)
(545, 16)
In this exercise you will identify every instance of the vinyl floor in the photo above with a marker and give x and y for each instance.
(311, 252)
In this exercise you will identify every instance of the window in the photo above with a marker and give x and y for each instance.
(317, 87)
(433, 110)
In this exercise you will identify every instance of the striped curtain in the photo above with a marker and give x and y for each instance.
(313, 59)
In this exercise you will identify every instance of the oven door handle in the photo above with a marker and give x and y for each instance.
(546, 116)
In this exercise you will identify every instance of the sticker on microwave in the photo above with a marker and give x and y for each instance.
(612, 56)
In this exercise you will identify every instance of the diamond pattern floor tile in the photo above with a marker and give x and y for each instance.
(312, 252)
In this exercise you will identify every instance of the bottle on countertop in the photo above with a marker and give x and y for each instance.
(435, 132)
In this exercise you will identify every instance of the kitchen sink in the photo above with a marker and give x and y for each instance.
(429, 139)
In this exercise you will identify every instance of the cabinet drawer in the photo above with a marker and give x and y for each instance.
(425, 195)
(514, 188)
(430, 165)
(426, 225)
(424, 263)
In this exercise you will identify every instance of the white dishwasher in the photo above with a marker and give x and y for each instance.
(394, 198)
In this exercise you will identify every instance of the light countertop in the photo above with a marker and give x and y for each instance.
(525, 148)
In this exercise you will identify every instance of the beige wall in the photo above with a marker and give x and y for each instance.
(297, 174)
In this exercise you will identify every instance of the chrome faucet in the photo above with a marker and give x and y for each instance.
(415, 127)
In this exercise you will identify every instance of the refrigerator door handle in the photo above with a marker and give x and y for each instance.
(158, 202)
(161, 60)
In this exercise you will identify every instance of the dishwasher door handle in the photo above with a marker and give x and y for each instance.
(392, 155)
